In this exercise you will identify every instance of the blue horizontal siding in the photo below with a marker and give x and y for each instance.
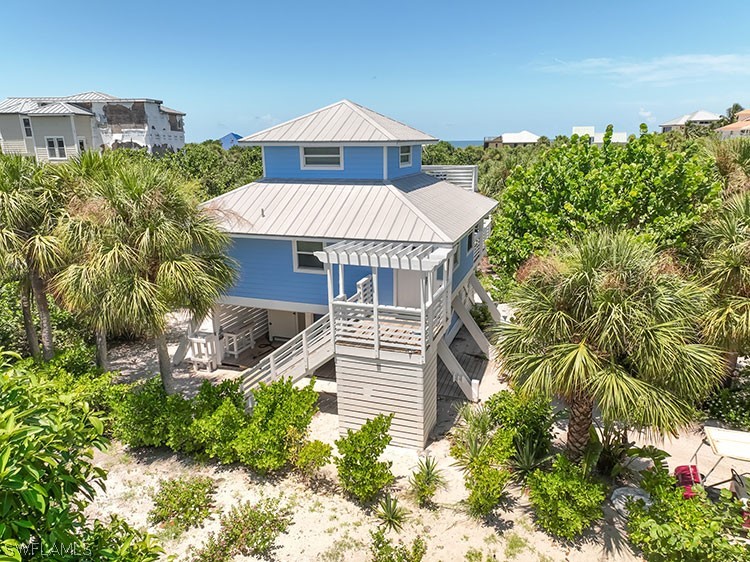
(394, 171)
(266, 271)
(465, 264)
(360, 163)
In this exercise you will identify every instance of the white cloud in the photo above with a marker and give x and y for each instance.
(659, 71)
(647, 115)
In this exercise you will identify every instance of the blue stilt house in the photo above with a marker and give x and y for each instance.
(351, 252)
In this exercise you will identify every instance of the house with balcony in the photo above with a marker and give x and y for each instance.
(57, 128)
(351, 255)
(700, 118)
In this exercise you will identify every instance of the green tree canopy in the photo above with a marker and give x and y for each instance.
(644, 186)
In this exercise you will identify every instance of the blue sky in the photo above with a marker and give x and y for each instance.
(458, 70)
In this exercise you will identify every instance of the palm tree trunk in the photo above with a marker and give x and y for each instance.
(579, 425)
(730, 358)
(28, 320)
(165, 364)
(102, 359)
(45, 320)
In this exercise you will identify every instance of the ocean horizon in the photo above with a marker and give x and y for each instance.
(465, 143)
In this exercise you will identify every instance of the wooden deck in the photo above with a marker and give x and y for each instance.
(463, 347)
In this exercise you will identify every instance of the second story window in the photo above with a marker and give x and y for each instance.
(304, 256)
(322, 157)
(27, 126)
(56, 148)
(404, 156)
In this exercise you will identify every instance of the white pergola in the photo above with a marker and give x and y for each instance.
(416, 257)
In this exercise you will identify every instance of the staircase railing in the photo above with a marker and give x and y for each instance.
(297, 358)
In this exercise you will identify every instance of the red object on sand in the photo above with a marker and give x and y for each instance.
(687, 476)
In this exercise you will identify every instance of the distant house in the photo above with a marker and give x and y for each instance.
(350, 253)
(598, 138)
(229, 140)
(55, 128)
(740, 128)
(701, 117)
(522, 138)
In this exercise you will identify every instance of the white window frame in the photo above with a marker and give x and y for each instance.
(400, 154)
(303, 269)
(57, 148)
(305, 166)
(80, 140)
(457, 255)
(28, 132)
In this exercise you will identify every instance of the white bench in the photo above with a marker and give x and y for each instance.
(204, 351)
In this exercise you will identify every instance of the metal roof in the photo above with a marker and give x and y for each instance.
(343, 121)
(166, 109)
(521, 137)
(700, 115)
(416, 209)
(28, 106)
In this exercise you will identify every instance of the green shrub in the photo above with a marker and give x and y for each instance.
(248, 530)
(361, 474)
(480, 312)
(311, 457)
(48, 478)
(78, 359)
(117, 541)
(179, 414)
(383, 550)
(182, 503)
(216, 433)
(486, 485)
(426, 480)
(392, 516)
(140, 415)
(730, 406)
(528, 418)
(210, 396)
(675, 529)
(565, 500)
(280, 410)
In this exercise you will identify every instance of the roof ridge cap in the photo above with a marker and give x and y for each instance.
(402, 196)
(358, 108)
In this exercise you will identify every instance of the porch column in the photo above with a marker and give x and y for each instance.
(331, 316)
(375, 304)
(423, 314)
(341, 281)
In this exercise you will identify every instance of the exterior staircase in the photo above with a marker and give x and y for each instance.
(297, 358)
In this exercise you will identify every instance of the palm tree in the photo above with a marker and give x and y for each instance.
(608, 323)
(145, 248)
(30, 206)
(732, 160)
(733, 111)
(725, 266)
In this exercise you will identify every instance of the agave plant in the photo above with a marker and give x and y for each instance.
(426, 480)
(528, 457)
(392, 516)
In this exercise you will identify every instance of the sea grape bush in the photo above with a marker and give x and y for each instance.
(673, 528)
(361, 474)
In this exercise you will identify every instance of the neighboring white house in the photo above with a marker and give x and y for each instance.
(598, 138)
(740, 128)
(522, 138)
(54, 128)
(700, 117)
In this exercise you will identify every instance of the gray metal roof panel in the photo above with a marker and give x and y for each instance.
(344, 121)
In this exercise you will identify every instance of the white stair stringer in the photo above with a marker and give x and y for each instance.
(297, 358)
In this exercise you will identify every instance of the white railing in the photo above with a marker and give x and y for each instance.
(462, 176)
(296, 359)
(364, 291)
(481, 235)
(389, 328)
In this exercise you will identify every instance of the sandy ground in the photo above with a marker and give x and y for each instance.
(329, 527)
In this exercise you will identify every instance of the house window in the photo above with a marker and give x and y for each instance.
(322, 157)
(404, 156)
(27, 126)
(304, 256)
(456, 256)
(81, 145)
(56, 148)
